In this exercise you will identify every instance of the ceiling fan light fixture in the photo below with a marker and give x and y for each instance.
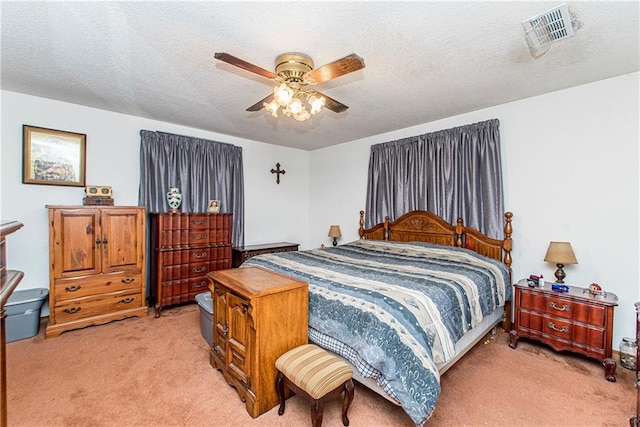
(272, 107)
(291, 98)
(283, 94)
(302, 115)
(295, 106)
(316, 104)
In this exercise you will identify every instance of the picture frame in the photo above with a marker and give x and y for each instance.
(53, 157)
(214, 206)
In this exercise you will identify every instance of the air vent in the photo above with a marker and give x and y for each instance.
(546, 28)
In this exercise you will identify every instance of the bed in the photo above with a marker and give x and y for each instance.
(404, 302)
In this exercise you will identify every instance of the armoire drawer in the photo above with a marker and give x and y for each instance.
(68, 311)
(67, 289)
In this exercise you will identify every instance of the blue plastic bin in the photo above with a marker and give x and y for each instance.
(206, 316)
(23, 313)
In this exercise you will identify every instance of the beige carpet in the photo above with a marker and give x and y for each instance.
(156, 372)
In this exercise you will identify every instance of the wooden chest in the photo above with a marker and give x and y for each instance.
(258, 315)
(185, 247)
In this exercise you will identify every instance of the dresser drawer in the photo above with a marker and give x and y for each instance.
(173, 221)
(565, 307)
(198, 237)
(185, 271)
(219, 236)
(184, 290)
(186, 256)
(68, 311)
(198, 221)
(67, 289)
(170, 239)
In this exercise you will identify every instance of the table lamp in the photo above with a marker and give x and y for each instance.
(334, 232)
(560, 253)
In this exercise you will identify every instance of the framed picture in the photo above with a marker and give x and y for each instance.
(53, 157)
(214, 206)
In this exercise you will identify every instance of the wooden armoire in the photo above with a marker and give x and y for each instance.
(97, 265)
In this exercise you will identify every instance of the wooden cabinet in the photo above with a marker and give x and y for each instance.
(243, 253)
(635, 420)
(258, 315)
(9, 280)
(575, 321)
(97, 265)
(186, 246)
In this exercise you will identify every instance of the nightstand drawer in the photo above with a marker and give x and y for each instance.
(567, 330)
(565, 308)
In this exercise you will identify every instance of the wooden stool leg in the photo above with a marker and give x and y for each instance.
(317, 408)
(280, 391)
(348, 398)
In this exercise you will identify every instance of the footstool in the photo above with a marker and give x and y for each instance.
(317, 375)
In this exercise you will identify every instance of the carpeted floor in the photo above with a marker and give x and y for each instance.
(156, 372)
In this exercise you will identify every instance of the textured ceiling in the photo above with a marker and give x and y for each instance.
(424, 60)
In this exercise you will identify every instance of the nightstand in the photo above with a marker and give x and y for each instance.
(243, 253)
(574, 321)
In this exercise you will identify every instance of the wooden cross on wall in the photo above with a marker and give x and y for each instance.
(278, 171)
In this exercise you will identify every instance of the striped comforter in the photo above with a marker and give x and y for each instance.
(395, 309)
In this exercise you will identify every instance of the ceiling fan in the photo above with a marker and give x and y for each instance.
(294, 74)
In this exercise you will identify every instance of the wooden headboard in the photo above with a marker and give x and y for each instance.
(423, 226)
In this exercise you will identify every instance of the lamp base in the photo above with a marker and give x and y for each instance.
(560, 274)
(335, 241)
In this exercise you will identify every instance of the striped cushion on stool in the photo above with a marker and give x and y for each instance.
(313, 369)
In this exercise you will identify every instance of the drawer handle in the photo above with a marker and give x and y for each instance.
(197, 237)
(127, 300)
(199, 285)
(72, 310)
(128, 280)
(199, 270)
(198, 256)
(73, 288)
(555, 328)
(201, 222)
(565, 307)
(225, 330)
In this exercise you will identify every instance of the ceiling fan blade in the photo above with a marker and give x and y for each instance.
(260, 104)
(338, 68)
(332, 104)
(230, 59)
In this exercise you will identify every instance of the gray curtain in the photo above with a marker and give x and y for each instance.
(203, 170)
(452, 173)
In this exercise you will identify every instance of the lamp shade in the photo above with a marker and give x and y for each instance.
(560, 253)
(334, 231)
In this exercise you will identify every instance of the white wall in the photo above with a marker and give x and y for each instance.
(571, 173)
(272, 212)
(570, 161)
